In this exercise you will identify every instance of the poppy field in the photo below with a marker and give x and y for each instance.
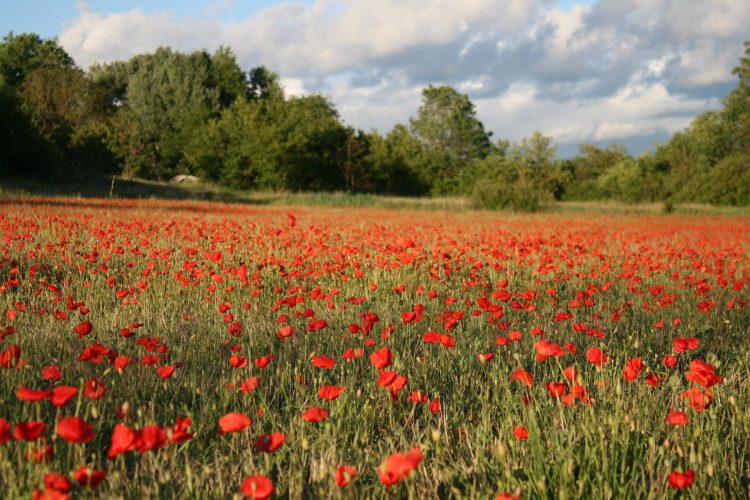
(195, 350)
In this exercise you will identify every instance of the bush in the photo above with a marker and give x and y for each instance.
(503, 185)
(728, 183)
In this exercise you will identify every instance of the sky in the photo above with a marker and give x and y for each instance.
(592, 71)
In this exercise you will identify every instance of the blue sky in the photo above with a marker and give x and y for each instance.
(602, 71)
(48, 17)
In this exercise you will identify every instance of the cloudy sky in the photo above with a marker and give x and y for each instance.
(627, 71)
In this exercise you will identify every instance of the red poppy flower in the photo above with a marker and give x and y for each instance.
(31, 395)
(381, 358)
(521, 433)
(570, 373)
(681, 480)
(431, 338)
(29, 431)
(676, 417)
(386, 378)
(685, 343)
(545, 348)
(83, 328)
(257, 487)
(234, 422)
(94, 389)
(703, 374)
(633, 369)
(330, 392)
(123, 439)
(249, 384)
(398, 466)
(165, 371)
(4, 431)
(121, 362)
(62, 394)
(653, 379)
(557, 389)
(285, 332)
(485, 357)
(57, 483)
(179, 430)
(86, 476)
(522, 376)
(669, 361)
(52, 372)
(698, 400)
(344, 474)
(323, 362)
(237, 361)
(152, 437)
(434, 406)
(350, 354)
(75, 430)
(269, 442)
(596, 356)
(507, 496)
(314, 414)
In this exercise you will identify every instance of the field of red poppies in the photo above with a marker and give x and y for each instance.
(181, 349)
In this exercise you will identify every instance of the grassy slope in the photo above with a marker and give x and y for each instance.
(103, 187)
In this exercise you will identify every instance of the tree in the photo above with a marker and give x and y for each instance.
(273, 143)
(22, 149)
(56, 108)
(264, 84)
(168, 96)
(710, 160)
(396, 163)
(450, 134)
(352, 161)
(582, 172)
(227, 76)
(22, 54)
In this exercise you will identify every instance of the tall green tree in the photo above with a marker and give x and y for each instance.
(451, 137)
(167, 97)
(226, 75)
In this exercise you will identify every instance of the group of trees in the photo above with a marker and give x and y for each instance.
(166, 113)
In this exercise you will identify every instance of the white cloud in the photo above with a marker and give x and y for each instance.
(611, 69)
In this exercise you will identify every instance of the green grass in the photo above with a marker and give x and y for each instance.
(103, 187)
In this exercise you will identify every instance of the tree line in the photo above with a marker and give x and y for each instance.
(167, 113)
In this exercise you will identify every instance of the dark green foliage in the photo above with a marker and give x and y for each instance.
(396, 163)
(728, 183)
(227, 76)
(22, 149)
(273, 143)
(525, 179)
(582, 172)
(55, 118)
(22, 54)
(264, 84)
